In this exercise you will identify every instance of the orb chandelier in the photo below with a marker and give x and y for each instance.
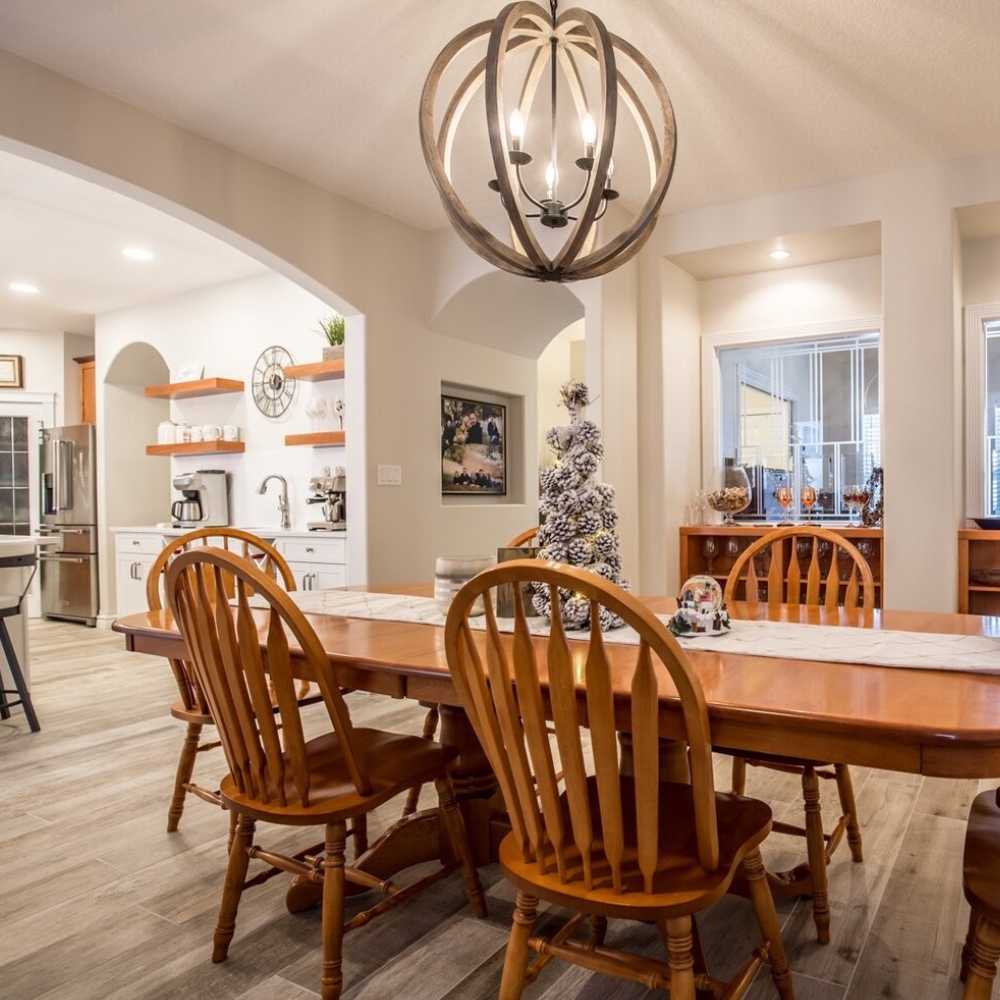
(572, 54)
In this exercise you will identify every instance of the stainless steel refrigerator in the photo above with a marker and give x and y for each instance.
(68, 571)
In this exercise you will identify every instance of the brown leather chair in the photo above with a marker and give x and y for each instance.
(276, 775)
(191, 707)
(599, 843)
(792, 566)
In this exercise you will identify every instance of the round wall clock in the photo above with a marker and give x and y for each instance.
(272, 391)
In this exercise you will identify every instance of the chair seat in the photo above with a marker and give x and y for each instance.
(981, 864)
(395, 763)
(680, 884)
(178, 711)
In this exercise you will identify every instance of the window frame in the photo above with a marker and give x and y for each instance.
(976, 318)
(711, 372)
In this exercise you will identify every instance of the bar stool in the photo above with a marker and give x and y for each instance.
(10, 605)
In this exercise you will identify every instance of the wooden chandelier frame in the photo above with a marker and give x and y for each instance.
(524, 26)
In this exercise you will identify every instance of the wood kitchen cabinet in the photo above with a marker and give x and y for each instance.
(712, 549)
(978, 572)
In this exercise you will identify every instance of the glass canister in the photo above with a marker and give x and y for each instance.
(451, 573)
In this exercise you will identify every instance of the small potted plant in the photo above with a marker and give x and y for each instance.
(332, 327)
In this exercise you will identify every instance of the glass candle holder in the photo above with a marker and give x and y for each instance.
(451, 573)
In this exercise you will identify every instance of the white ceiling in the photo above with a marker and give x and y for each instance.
(769, 95)
(66, 236)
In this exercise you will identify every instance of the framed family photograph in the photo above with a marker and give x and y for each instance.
(473, 452)
(11, 371)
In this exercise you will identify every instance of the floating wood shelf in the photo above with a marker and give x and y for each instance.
(196, 448)
(317, 439)
(318, 371)
(200, 387)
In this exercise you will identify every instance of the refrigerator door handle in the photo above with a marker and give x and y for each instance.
(42, 557)
(71, 531)
(63, 475)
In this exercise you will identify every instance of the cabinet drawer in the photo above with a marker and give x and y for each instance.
(150, 543)
(320, 550)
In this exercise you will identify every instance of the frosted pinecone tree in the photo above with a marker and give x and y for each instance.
(580, 518)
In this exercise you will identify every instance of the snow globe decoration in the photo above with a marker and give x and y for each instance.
(700, 610)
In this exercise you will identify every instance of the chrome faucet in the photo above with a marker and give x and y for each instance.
(282, 498)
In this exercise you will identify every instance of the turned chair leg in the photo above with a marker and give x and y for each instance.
(332, 981)
(767, 920)
(185, 769)
(515, 965)
(232, 890)
(981, 969)
(816, 849)
(680, 957)
(455, 825)
(845, 789)
(430, 730)
(739, 775)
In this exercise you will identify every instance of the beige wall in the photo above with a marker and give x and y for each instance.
(793, 296)
(397, 279)
(980, 271)
(371, 268)
(921, 425)
(48, 365)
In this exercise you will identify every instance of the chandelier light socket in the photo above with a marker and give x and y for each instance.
(575, 67)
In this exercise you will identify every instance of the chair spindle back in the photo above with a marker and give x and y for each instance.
(836, 574)
(245, 544)
(235, 651)
(517, 687)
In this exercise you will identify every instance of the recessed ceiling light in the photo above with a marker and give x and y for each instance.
(779, 255)
(24, 287)
(138, 253)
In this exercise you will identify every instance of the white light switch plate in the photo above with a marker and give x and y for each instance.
(390, 475)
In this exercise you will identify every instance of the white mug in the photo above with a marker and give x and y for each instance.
(183, 434)
(212, 432)
(230, 433)
(197, 433)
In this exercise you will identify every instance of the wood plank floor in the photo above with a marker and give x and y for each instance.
(97, 900)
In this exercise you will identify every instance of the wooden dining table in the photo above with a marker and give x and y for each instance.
(942, 723)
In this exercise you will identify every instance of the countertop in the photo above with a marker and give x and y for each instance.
(263, 532)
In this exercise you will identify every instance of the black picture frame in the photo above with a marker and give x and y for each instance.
(473, 447)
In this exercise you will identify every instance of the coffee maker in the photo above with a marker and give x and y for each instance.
(204, 499)
(331, 492)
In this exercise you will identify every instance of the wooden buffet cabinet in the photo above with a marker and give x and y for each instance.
(696, 555)
(978, 572)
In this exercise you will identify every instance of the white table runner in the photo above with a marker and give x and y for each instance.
(917, 650)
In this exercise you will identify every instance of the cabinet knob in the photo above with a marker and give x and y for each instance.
(309, 548)
(135, 541)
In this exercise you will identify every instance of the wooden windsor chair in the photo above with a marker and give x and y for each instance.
(526, 537)
(276, 775)
(600, 843)
(836, 574)
(191, 707)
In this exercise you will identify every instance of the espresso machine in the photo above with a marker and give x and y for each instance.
(331, 492)
(204, 499)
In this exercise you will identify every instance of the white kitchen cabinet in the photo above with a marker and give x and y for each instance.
(317, 561)
(135, 553)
